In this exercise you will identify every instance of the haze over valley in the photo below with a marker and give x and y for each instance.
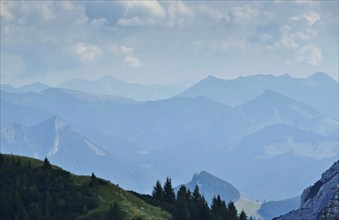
(234, 97)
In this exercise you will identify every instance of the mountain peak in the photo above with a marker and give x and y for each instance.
(109, 78)
(320, 76)
(212, 78)
(269, 92)
(211, 185)
(272, 96)
(54, 121)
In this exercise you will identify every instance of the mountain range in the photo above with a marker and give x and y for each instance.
(55, 139)
(249, 140)
(318, 90)
(110, 85)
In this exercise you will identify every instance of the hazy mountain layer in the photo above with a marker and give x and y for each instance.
(319, 90)
(177, 136)
(112, 86)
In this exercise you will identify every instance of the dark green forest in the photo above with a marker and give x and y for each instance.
(32, 189)
(42, 192)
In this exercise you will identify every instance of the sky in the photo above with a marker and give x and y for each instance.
(160, 42)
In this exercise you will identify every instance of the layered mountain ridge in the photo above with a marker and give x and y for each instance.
(194, 133)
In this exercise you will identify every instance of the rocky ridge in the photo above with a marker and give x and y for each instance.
(319, 201)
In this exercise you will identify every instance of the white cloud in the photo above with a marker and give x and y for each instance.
(148, 8)
(126, 49)
(132, 61)
(115, 49)
(46, 12)
(193, 37)
(128, 53)
(212, 13)
(99, 22)
(141, 13)
(5, 11)
(179, 13)
(311, 54)
(242, 13)
(311, 17)
(87, 52)
(234, 44)
(152, 13)
(288, 41)
(307, 2)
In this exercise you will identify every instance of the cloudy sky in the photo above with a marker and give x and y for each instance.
(166, 41)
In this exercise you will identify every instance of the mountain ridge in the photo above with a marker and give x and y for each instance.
(310, 90)
(211, 186)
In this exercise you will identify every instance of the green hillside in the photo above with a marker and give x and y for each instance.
(34, 189)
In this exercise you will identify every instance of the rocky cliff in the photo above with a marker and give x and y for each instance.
(320, 201)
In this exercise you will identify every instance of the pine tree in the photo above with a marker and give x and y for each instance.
(199, 206)
(219, 210)
(47, 164)
(195, 203)
(243, 215)
(158, 192)
(92, 181)
(196, 196)
(204, 210)
(169, 195)
(232, 212)
(181, 211)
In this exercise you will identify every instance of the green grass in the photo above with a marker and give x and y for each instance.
(131, 205)
(106, 194)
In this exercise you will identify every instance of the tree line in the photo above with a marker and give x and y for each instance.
(187, 205)
(47, 192)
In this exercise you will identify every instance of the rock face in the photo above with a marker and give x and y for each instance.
(320, 201)
(211, 186)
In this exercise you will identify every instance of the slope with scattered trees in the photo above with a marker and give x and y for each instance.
(32, 189)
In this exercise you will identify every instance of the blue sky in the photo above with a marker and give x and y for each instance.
(159, 42)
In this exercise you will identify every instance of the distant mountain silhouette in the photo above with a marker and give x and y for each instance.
(211, 186)
(318, 90)
(110, 85)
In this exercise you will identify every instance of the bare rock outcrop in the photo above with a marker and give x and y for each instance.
(319, 201)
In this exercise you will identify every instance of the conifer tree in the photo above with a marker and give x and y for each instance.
(199, 206)
(242, 215)
(181, 211)
(47, 164)
(218, 209)
(169, 195)
(158, 192)
(93, 179)
(232, 212)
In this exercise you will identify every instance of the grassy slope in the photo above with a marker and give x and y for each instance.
(131, 205)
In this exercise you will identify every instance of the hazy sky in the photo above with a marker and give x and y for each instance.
(166, 41)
